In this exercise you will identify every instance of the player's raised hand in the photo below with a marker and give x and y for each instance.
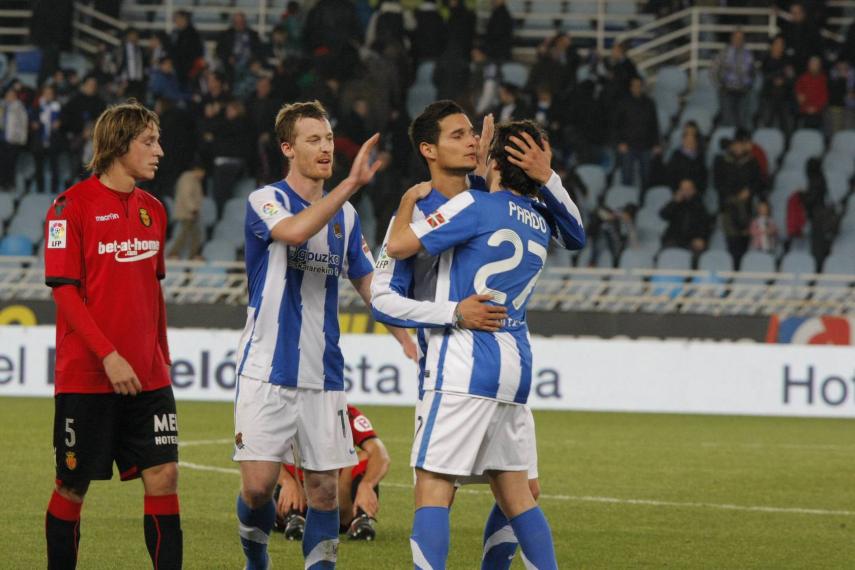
(362, 170)
(484, 142)
(478, 314)
(121, 375)
(535, 161)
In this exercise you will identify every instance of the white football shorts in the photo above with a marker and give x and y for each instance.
(269, 417)
(463, 435)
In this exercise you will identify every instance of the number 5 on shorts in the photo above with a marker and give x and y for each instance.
(71, 437)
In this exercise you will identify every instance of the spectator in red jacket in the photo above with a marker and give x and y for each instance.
(812, 94)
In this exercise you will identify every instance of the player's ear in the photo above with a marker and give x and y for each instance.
(287, 150)
(428, 150)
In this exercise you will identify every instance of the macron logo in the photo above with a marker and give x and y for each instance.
(130, 249)
(107, 217)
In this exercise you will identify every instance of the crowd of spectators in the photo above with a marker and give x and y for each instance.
(217, 109)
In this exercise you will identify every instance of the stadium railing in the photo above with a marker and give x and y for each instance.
(559, 289)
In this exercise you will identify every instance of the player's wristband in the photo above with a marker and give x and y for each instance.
(458, 317)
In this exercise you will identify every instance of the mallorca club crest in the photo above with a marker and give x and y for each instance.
(145, 218)
(70, 460)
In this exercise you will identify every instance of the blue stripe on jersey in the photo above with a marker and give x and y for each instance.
(421, 338)
(486, 365)
(429, 423)
(333, 359)
(441, 362)
(286, 355)
(524, 348)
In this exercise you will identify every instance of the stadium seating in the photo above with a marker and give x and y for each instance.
(16, 245)
(771, 141)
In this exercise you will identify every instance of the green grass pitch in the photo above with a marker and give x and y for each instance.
(620, 491)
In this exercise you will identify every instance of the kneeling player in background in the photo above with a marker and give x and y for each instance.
(358, 487)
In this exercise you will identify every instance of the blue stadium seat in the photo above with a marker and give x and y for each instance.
(656, 197)
(515, 73)
(16, 245)
(673, 79)
(788, 181)
(674, 258)
(666, 101)
(7, 206)
(758, 262)
(844, 141)
(424, 72)
(619, 196)
(808, 142)
(772, 142)
(842, 263)
(594, 178)
(636, 259)
(701, 115)
(208, 212)
(715, 141)
(229, 231)
(798, 262)
(216, 250)
(838, 184)
(715, 260)
(419, 97)
(649, 227)
(27, 225)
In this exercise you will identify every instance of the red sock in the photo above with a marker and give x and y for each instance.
(62, 531)
(162, 526)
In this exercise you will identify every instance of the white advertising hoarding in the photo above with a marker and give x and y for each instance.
(568, 374)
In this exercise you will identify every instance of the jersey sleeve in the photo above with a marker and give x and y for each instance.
(161, 255)
(265, 208)
(360, 426)
(360, 262)
(64, 243)
(453, 223)
(563, 215)
(391, 292)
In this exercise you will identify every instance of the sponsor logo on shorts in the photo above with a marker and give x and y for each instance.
(239, 440)
(70, 460)
(145, 218)
(165, 423)
(362, 424)
(56, 234)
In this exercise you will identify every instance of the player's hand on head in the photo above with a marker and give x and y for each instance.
(535, 161)
(121, 375)
(418, 191)
(366, 499)
(362, 170)
(478, 314)
(485, 139)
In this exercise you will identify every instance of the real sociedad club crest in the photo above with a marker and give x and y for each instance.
(337, 230)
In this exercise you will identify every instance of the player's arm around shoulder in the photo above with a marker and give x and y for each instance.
(402, 242)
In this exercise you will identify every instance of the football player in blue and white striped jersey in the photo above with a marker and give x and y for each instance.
(299, 242)
(473, 414)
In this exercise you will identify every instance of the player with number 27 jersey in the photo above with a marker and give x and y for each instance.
(501, 241)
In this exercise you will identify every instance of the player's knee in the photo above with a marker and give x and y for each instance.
(161, 479)
(72, 491)
(322, 492)
(256, 496)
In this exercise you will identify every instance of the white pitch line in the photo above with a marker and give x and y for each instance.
(606, 500)
(204, 442)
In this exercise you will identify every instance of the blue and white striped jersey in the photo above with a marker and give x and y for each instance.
(499, 243)
(291, 334)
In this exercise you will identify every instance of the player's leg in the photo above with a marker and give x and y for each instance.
(500, 542)
(431, 526)
(264, 425)
(256, 511)
(514, 497)
(148, 448)
(449, 432)
(83, 439)
(325, 444)
(345, 497)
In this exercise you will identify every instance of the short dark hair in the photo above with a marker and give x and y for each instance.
(289, 114)
(513, 177)
(425, 127)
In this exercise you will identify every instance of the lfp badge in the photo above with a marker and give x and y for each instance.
(56, 234)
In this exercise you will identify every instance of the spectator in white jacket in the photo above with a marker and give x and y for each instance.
(13, 135)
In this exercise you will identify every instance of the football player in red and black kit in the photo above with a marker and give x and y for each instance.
(114, 402)
(358, 487)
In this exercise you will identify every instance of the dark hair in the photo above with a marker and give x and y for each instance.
(513, 176)
(425, 127)
(114, 131)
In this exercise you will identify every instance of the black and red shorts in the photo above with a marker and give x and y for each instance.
(92, 431)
